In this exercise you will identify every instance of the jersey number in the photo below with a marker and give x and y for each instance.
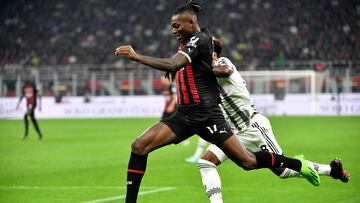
(193, 41)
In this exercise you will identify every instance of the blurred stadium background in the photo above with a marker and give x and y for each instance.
(69, 45)
(298, 57)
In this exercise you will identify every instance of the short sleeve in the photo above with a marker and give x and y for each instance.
(192, 48)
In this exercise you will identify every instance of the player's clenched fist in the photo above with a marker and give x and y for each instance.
(128, 51)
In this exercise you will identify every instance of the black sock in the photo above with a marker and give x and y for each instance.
(271, 160)
(26, 122)
(36, 126)
(136, 170)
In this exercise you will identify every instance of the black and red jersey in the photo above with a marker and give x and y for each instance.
(196, 83)
(30, 92)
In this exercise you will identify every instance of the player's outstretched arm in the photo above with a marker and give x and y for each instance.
(164, 64)
(18, 104)
(39, 96)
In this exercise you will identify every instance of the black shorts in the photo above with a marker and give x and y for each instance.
(31, 108)
(166, 115)
(209, 123)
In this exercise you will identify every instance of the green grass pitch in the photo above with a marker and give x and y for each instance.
(86, 161)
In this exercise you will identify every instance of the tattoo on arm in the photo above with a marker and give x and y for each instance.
(164, 64)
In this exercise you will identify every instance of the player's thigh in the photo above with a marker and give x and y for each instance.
(220, 155)
(237, 153)
(267, 131)
(180, 127)
(217, 131)
(154, 137)
(259, 136)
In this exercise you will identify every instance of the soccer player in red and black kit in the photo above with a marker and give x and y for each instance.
(30, 92)
(198, 111)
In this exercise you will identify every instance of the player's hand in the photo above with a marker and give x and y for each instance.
(128, 51)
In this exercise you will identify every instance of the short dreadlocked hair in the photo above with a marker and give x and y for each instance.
(190, 7)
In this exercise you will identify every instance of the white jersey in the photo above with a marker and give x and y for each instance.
(254, 133)
(236, 103)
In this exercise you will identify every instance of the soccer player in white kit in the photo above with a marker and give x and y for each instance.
(252, 129)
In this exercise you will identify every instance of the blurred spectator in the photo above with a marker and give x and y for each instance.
(255, 32)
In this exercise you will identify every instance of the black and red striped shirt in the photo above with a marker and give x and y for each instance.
(196, 83)
(30, 92)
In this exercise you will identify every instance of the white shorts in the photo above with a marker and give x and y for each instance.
(258, 137)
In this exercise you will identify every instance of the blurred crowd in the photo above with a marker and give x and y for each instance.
(254, 32)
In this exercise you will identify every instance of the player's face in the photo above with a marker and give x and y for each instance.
(182, 27)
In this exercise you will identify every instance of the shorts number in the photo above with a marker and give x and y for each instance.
(213, 129)
(263, 148)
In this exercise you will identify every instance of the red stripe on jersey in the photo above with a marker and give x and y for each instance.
(272, 159)
(177, 80)
(135, 171)
(192, 85)
(183, 87)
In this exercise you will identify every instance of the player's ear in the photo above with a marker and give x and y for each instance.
(214, 55)
(191, 23)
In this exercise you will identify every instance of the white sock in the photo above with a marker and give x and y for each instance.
(211, 180)
(322, 169)
(200, 147)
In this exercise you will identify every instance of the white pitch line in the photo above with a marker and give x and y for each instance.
(72, 187)
(123, 196)
(24, 187)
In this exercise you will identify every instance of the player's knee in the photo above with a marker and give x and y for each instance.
(211, 157)
(203, 163)
(138, 147)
